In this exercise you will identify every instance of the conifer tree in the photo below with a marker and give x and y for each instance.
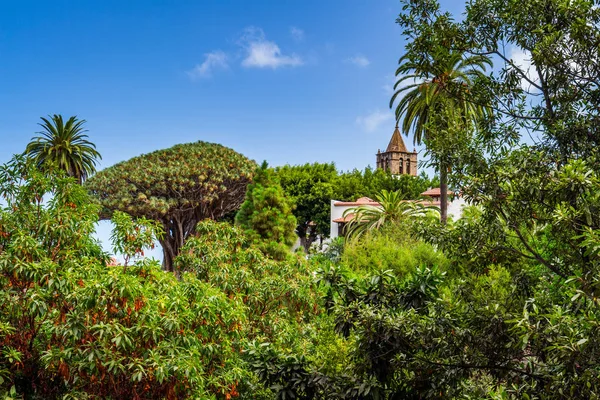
(266, 214)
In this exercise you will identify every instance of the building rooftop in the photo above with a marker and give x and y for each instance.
(396, 143)
(435, 192)
(363, 201)
(347, 218)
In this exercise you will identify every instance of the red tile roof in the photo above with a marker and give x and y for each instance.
(347, 218)
(435, 192)
(363, 201)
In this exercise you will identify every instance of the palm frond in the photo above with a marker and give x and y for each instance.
(64, 146)
(392, 209)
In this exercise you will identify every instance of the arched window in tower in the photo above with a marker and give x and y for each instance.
(401, 167)
(387, 164)
(408, 167)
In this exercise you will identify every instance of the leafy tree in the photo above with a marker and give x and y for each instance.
(73, 327)
(266, 215)
(311, 187)
(130, 237)
(39, 241)
(275, 293)
(446, 77)
(177, 187)
(554, 98)
(64, 146)
(355, 184)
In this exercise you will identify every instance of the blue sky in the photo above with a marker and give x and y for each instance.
(286, 81)
(283, 81)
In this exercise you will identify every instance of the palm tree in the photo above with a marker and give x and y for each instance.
(64, 146)
(392, 208)
(440, 86)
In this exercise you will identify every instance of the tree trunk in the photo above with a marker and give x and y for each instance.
(307, 236)
(443, 193)
(169, 252)
(173, 240)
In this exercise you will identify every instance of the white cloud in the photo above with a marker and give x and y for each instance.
(297, 33)
(262, 53)
(371, 122)
(522, 59)
(212, 61)
(359, 60)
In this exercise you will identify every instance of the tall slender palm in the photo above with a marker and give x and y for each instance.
(444, 82)
(64, 146)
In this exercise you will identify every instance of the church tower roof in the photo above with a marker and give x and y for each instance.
(396, 143)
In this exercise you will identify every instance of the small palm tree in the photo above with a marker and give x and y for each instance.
(392, 208)
(441, 86)
(64, 146)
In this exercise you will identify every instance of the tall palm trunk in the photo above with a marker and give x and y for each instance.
(443, 193)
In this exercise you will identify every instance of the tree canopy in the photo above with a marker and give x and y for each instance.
(178, 187)
(312, 187)
(72, 326)
(354, 184)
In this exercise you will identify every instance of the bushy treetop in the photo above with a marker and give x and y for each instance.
(178, 187)
(179, 178)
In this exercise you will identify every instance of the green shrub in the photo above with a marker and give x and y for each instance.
(71, 326)
(393, 248)
(274, 293)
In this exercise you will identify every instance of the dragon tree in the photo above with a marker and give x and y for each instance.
(178, 187)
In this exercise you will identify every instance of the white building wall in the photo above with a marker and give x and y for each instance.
(455, 207)
(336, 212)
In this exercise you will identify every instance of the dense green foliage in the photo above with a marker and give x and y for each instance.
(64, 146)
(385, 273)
(266, 215)
(71, 326)
(391, 248)
(273, 293)
(177, 187)
(312, 187)
(500, 304)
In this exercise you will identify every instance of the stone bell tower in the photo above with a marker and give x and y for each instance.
(396, 158)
